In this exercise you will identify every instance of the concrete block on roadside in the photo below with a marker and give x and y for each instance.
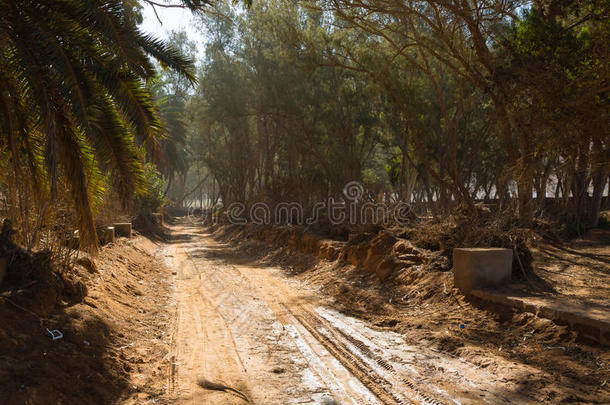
(107, 235)
(72, 240)
(122, 229)
(475, 268)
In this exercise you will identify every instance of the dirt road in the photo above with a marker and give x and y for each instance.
(167, 323)
(275, 341)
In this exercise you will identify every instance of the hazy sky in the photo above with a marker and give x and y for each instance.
(172, 19)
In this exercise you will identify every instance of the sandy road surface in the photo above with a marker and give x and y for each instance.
(250, 328)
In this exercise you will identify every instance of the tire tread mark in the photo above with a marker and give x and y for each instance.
(423, 397)
(368, 377)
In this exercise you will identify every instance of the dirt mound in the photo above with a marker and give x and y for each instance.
(381, 260)
(383, 254)
(112, 346)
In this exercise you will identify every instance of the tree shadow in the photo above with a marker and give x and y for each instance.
(598, 262)
(80, 367)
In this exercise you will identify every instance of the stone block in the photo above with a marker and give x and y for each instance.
(475, 268)
(122, 229)
(107, 235)
(72, 240)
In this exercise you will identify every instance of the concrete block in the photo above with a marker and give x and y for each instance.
(475, 268)
(3, 268)
(107, 235)
(72, 240)
(122, 229)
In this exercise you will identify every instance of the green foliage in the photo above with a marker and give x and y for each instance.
(73, 98)
(393, 168)
(269, 121)
(423, 101)
(153, 198)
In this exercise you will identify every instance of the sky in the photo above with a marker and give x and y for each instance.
(172, 19)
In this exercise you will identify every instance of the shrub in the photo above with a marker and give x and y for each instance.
(153, 198)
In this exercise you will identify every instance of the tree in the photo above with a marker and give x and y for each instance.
(461, 102)
(468, 39)
(73, 97)
(171, 91)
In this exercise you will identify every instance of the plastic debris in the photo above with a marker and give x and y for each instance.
(55, 334)
(462, 326)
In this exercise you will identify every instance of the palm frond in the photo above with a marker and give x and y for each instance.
(73, 99)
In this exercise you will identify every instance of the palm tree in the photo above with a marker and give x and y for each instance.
(73, 96)
(173, 159)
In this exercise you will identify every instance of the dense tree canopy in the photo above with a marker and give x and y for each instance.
(436, 103)
(433, 102)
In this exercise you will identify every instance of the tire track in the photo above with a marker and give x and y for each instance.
(390, 387)
(386, 385)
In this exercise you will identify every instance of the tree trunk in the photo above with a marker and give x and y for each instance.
(525, 181)
(599, 184)
(608, 197)
(580, 183)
